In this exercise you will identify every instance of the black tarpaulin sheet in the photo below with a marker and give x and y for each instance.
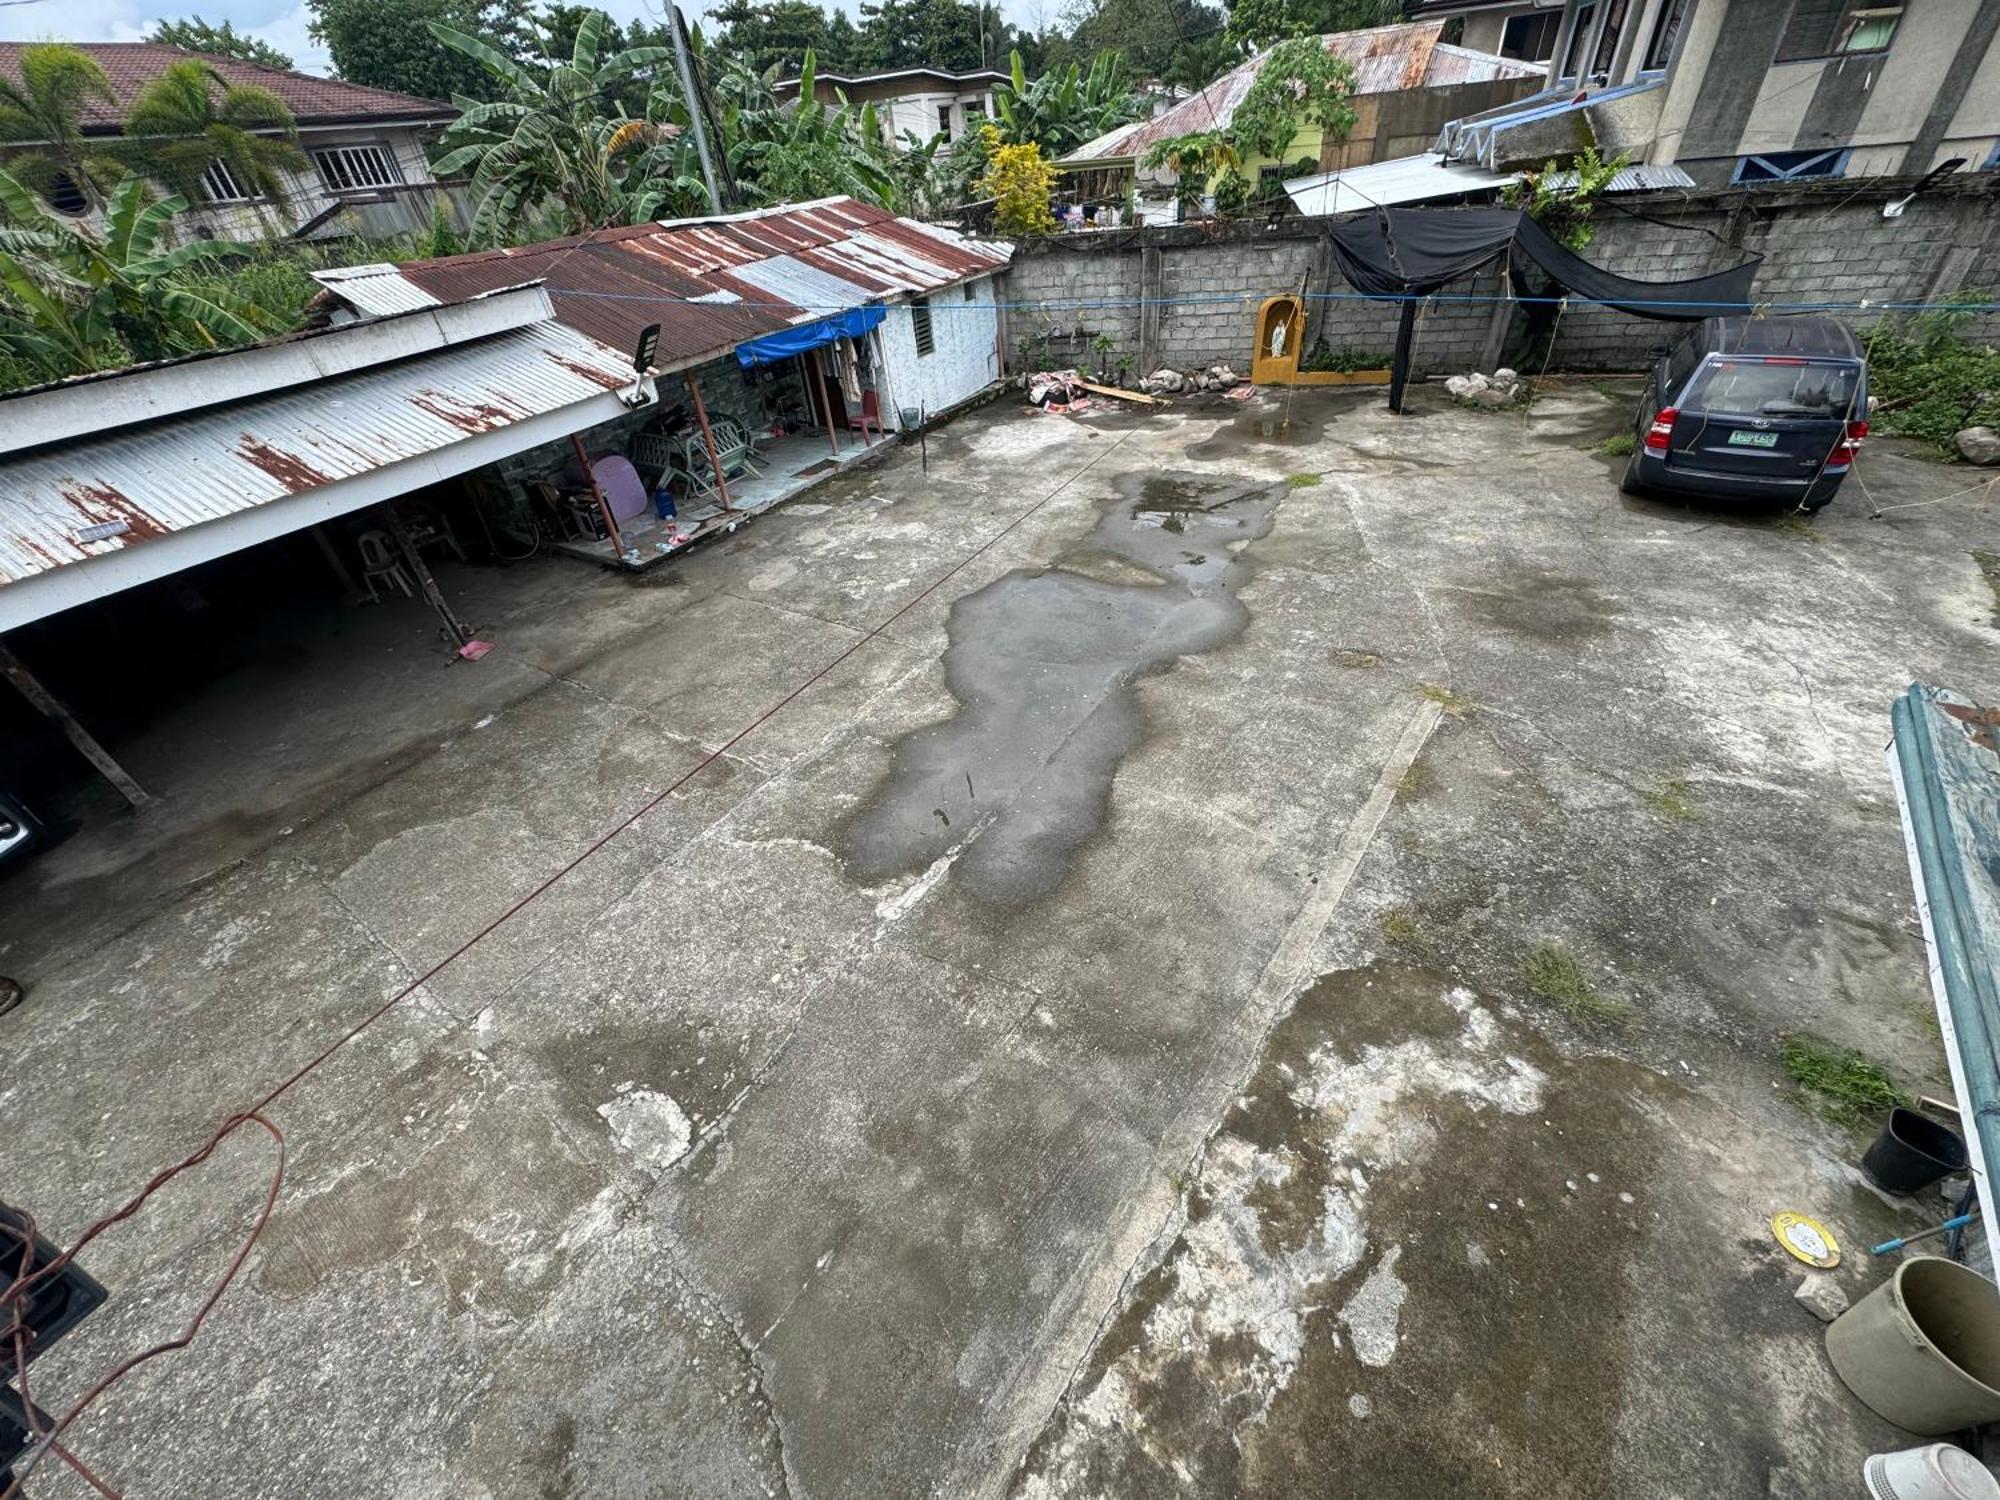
(1403, 252)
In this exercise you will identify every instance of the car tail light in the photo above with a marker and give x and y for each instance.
(1661, 433)
(1850, 443)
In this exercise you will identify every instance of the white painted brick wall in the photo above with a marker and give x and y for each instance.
(964, 357)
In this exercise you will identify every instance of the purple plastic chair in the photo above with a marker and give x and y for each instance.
(623, 490)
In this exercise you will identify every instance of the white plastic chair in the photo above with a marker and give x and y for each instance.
(379, 560)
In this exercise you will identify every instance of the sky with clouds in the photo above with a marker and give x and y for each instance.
(282, 23)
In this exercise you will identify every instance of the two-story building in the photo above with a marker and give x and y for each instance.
(366, 172)
(1756, 91)
(922, 102)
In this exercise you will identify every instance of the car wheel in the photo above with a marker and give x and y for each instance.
(1629, 484)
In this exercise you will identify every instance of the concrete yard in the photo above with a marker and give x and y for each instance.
(1066, 1032)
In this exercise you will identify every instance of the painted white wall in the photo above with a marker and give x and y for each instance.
(918, 114)
(965, 354)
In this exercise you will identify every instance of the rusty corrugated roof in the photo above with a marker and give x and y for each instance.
(710, 284)
(169, 476)
(1385, 59)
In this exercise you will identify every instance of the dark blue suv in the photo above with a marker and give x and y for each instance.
(1768, 409)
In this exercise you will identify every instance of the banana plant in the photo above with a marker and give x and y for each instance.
(1067, 106)
(71, 300)
(555, 144)
(784, 153)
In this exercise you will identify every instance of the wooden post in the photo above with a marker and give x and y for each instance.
(47, 702)
(822, 403)
(433, 595)
(707, 437)
(1496, 330)
(603, 505)
(338, 564)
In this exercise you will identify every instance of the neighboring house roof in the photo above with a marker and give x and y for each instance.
(1428, 176)
(107, 470)
(1384, 58)
(312, 101)
(894, 75)
(710, 283)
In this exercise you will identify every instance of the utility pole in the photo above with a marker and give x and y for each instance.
(696, 113)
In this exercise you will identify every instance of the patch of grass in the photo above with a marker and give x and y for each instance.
(1618, 445)
(1673, 799)
(1843, 1085)
(1610, 390)
(1359, 660)
(1989, 568)
(1552, 972)
(1415, 780)
(1301, 481)
(1793, 524)
(1399, 926)
(1455, 704)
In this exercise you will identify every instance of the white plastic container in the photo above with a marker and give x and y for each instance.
(1937, 1472)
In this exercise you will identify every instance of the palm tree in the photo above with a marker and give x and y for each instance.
(191, 119)
(43, 111)
(556, 143)
(72, 301)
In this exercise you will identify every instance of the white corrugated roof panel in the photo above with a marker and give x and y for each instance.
(1406, 179)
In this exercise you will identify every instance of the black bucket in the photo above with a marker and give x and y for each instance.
(1912, 1152)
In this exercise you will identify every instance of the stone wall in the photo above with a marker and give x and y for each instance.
(1187, 295)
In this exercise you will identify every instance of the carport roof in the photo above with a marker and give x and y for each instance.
(143, 494)
(710, 283)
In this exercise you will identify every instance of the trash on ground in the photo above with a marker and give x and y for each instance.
(1807, 1239)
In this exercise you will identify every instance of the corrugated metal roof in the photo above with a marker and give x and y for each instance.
(1385, 59)
(176, 474)
(1421, 178)
(787, 265)
(388, 292)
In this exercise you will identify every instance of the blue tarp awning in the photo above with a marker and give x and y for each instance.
(772, 347)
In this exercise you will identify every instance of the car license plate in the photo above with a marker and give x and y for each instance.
(1753, 440)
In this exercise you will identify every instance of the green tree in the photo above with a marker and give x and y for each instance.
(1562, 200)
(196, 35)
(43, 110)
(1019, 180)
(1259, 23)
(779, 33)
(190, 118)
(1174, 40)
(72, 301)
(391, 46)
(549, 150)
(947, 34)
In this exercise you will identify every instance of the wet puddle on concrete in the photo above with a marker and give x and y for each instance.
(1043, 666)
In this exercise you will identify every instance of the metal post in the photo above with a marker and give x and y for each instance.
(433, 595)
(1399, 369)
(701, 416)
(696, 123)
(47, 702)
(603, 505)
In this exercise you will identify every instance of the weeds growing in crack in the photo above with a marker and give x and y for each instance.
(1839, 1083)
(1400, 926)
(1455, 704)
(1301, 481)
(1618, 445)
(1673, 799)
(1552, 972)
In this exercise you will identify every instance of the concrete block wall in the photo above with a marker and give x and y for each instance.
(1824, 244)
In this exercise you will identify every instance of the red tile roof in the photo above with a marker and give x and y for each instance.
(133, 65)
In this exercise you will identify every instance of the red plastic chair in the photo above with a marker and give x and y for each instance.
(869, 415)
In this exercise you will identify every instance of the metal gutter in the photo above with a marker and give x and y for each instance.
(1946, 770)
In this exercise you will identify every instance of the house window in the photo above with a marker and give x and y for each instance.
(944, 119)
(220, 185)
(1828, 28)
(1579, 38)
(920, 324)
(1666, 31)
(64, 196)
(1531, 38)
(1791, 166)
(970, 294)
(347, 168)
(1607, 44)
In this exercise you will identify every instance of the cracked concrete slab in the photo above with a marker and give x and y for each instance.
(1236, 1157)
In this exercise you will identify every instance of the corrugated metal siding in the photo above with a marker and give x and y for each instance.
(786, 264)
(170, 476)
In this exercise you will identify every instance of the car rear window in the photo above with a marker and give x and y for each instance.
(1772, 388)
